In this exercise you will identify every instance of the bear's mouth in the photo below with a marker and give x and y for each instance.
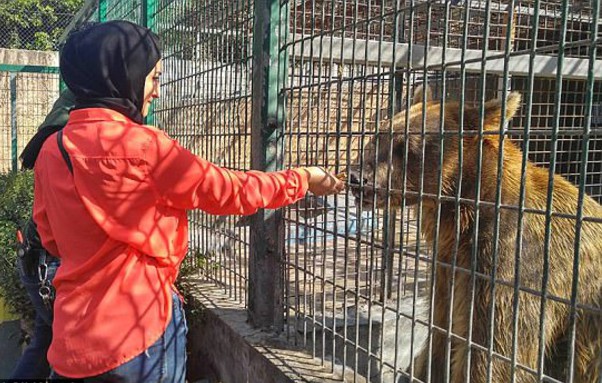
(371, 197)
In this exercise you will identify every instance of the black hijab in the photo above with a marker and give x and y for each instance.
(105, 66)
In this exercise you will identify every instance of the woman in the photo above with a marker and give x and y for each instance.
(35, 261)
(118, 220)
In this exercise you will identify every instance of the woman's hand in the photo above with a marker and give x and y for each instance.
(322, 182)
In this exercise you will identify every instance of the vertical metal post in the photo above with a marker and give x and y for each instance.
(397, 97)
(586, 140)
(267, 226)
(102, 10)
(386, 291)
(149, 8)
(13, 119)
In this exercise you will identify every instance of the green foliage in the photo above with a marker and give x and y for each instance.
(16, 198)
(35, 24)
(187, 282)
(189, 269)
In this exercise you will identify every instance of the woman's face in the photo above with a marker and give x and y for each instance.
(151, 87)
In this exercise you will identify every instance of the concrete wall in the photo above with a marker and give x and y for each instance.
(224, 348)
(27, 57)
(36, 92)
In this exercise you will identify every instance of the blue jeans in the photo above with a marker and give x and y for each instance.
(163, 362)
(33, 363)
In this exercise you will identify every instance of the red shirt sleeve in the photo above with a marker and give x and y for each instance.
(186, 181)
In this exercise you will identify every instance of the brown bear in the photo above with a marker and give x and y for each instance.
(518, 306)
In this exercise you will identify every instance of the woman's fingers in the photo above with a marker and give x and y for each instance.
(323, 182)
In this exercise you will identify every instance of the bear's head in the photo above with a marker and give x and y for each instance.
(418, 148)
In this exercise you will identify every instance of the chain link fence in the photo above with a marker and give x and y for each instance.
(26, 96)
(35, 25)
(28, 85)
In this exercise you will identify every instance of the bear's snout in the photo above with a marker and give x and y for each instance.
(354, 179)
(361, 189)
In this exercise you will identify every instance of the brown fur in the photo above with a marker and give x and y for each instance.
(588, 339)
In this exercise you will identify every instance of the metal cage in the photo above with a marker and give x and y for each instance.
(269, 85)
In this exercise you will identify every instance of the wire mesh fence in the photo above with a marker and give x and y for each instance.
(456, 254)
(26, 95)
(333, 319)
(354, 295)
(130, 10)
(28, 91)
(206, 106)
(35, 25)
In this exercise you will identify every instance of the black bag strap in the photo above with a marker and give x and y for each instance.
(59, 138)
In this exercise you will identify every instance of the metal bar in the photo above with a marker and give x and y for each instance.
(523, 194)
(458, 194)
(102, 10)
(338, 85)
(13, 119)
(294, 257)
(28, 68)
(429, 347)
(561, 62)
(267, 228)
(388, 237)
(404, 184)
(389, 254)
(149, 9)
(572, 351)
(324, 252)
(367, 52)
(304, 285)
(477, 212)
(498, 196)
(311, 151)
(350, 109)
(323, 269)
(395, 103)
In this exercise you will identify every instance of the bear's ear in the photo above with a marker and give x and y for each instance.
(493, 109)
(419, 92)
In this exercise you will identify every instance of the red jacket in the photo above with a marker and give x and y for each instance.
(120, 227)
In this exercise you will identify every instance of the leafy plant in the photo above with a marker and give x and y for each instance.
(187, 282)
(16, 199)
(34, 24)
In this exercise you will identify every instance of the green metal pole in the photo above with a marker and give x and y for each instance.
(28, 68)
(102, 10)
(13, 119)
(270, 66)
(149, 9)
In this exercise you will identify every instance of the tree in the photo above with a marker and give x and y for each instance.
(34, 24)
